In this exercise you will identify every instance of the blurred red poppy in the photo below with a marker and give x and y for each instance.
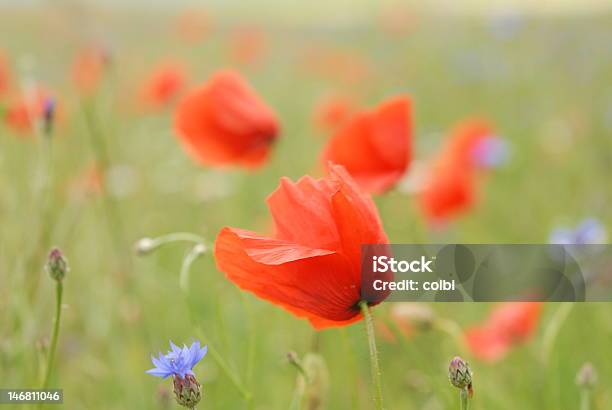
(163, 85)
(224, 122)
(5, 77)
(336, 64)
(88, 69)
(311, 266)
(450, 186)
(193, 25)
(247, 45)
(508, 324)
(465, 137)
(448, 189)
(375, 146)
(24, 110)
(333, 111)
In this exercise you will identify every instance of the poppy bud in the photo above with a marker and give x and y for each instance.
(187, 391)
(316, 383)
(144, 246)
(57, 265)
(587, 376)
(460, 374)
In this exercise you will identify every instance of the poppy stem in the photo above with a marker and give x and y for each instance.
(193, 254)
(374, 364)
(56, 326)
(553, 328)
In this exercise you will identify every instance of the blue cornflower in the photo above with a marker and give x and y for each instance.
(178, 361)
(589, 231)
(491, 152)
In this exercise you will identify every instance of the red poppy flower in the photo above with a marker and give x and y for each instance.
(88, 69)
(163, 85)
(334, 111)
(24, 110)
(224, 122)
(508, 324)
(193, 25)
(5, 77)
(247, 45)
(465, 137)
(448, 190)
(311, 266)
(450, 185)
(375, 146)
(338, 65)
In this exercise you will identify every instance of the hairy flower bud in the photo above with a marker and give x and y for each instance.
(460, 374)
(587, 376)
(187, 391)
(314, 383)
(57, 265)
(144, 246)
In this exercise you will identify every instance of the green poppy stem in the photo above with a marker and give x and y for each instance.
(374, 364)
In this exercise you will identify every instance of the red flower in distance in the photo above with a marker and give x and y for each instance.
(88, 69)
(163, 85)
(375, 146)
(450, 187)
(312, 264)
(508, 324)
(334, 111)
(247, 45)
(5, 77)
(24, 110)
(465, 137)
(193, 25)
(224, 122)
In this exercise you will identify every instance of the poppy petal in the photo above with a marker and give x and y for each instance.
(308, 286)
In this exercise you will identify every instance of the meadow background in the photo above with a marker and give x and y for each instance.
(543, 77)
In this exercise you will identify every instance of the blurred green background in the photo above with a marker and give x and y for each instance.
(543, 76)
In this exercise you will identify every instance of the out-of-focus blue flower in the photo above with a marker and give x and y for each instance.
(178, 361)
(506, 25)
(491, 152)
(589, 231)
(48, 115)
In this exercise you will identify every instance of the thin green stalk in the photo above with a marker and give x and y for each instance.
(56, 327)
(100, 150)
(465, 402)
(193, 254)
(251, 347)
(374, 364)
(178, 237)
(553, 328)
(352, 366)
(585, 399)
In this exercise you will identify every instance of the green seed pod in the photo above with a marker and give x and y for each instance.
(187, 391)
(57, 265)
(460, 374)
